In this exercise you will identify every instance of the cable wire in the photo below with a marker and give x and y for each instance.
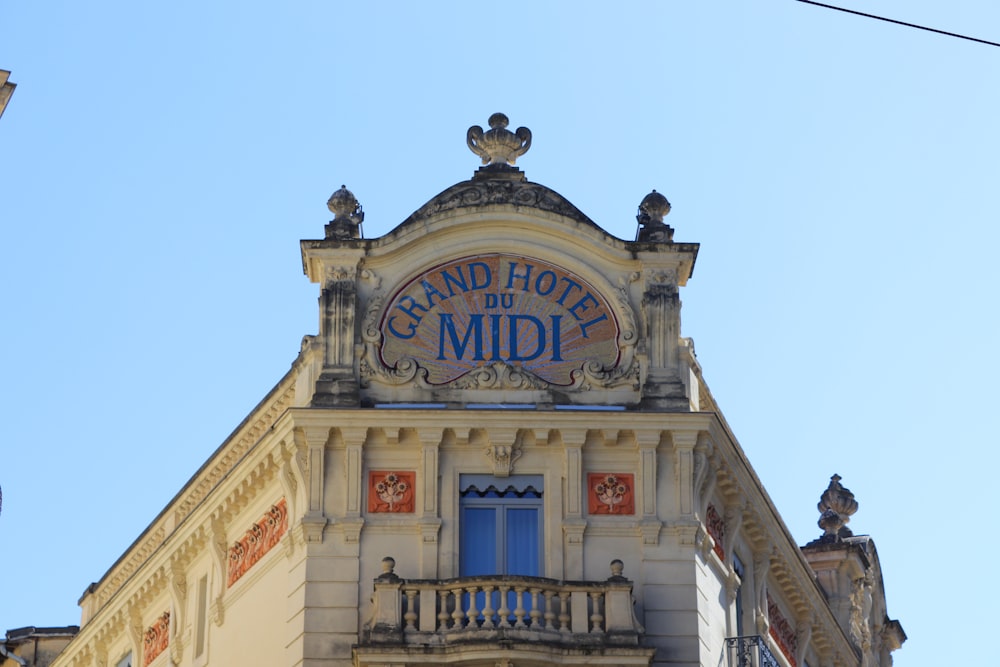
(908, 25)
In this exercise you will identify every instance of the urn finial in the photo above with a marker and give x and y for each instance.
(836, 506)
(498, 146)
(652, 209)
(347, 215)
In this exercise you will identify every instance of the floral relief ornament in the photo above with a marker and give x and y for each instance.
(610, 493)
(390, 491)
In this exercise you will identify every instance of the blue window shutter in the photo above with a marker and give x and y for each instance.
(478, 549)
(521, 540)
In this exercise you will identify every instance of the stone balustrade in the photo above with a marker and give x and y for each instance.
(489, 607)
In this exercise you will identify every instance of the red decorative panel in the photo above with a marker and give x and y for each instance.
(391, 491)
(257, 541)
(610, 493)
(717, 529)
(156, 639)
(781, 631)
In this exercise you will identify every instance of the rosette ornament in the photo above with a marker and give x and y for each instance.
(498, 145)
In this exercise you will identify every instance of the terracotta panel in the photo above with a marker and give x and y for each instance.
(391, 491)
(610, 493)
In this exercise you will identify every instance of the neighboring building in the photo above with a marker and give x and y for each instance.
(498, 450)
(34, 647)
(6, 89)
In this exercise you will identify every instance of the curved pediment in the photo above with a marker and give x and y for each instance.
(492, 188)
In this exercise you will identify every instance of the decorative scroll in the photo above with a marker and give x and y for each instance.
(610, 493)
(781, 631)
(716, 527)
(391, 491)
(257, 541)
(156, 638)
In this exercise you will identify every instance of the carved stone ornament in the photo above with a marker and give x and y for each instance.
(610, 493)
(836, 506)
(652, 209)
(486, 192)
(502, 457)
(347, 215)
(257, 541)
(498, 145)
(156, 638)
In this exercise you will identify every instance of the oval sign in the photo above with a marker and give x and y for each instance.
(475, 311)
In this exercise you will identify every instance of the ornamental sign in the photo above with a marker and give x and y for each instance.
(486, 309)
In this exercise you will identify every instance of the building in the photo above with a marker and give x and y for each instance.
(34, 647)
(6, 89)
(498, 450)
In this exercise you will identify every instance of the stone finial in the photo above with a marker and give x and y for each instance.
(652, 209)
(498, 145)
(617, 567)
(388, 570)
(836, 506)
(347, 215)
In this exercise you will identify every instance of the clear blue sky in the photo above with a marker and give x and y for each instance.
(159, 163)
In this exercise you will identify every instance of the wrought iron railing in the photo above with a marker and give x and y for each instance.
(751, 651)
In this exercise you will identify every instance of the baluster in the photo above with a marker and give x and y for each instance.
(443, 615)
(564, 612)
(504, 610)
(536, 613)
(596, 618)
(488, 609)
(473, 612)
(458, 614)
(411, 614)
(519, 610)
(550, 615)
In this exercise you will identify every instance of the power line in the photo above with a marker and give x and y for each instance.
(908, 25)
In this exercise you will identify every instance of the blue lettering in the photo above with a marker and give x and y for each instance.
(513, 275)
(430, 291)
(487, 275)
(495, 336)
(507, 300)
(459, 282)
(514, 353)
(571, 284)
(475, 330)
(557, 338)
(581, 305)
(491, 301)
(412, 325)
(548, 275)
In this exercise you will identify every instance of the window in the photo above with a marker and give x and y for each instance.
(125, 661)
(740, 570)
(201, 620)
(500, 525)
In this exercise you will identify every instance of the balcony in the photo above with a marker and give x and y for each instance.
(485, 619)
(751, 651)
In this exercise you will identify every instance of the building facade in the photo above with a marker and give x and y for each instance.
(497, 450)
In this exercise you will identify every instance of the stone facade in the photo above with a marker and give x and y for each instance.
(498, 449)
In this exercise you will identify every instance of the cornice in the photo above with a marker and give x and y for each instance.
(208, 478)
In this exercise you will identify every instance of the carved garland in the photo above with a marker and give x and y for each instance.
(781, 631)
(257, 541)
(156, 638)
(716, 527)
